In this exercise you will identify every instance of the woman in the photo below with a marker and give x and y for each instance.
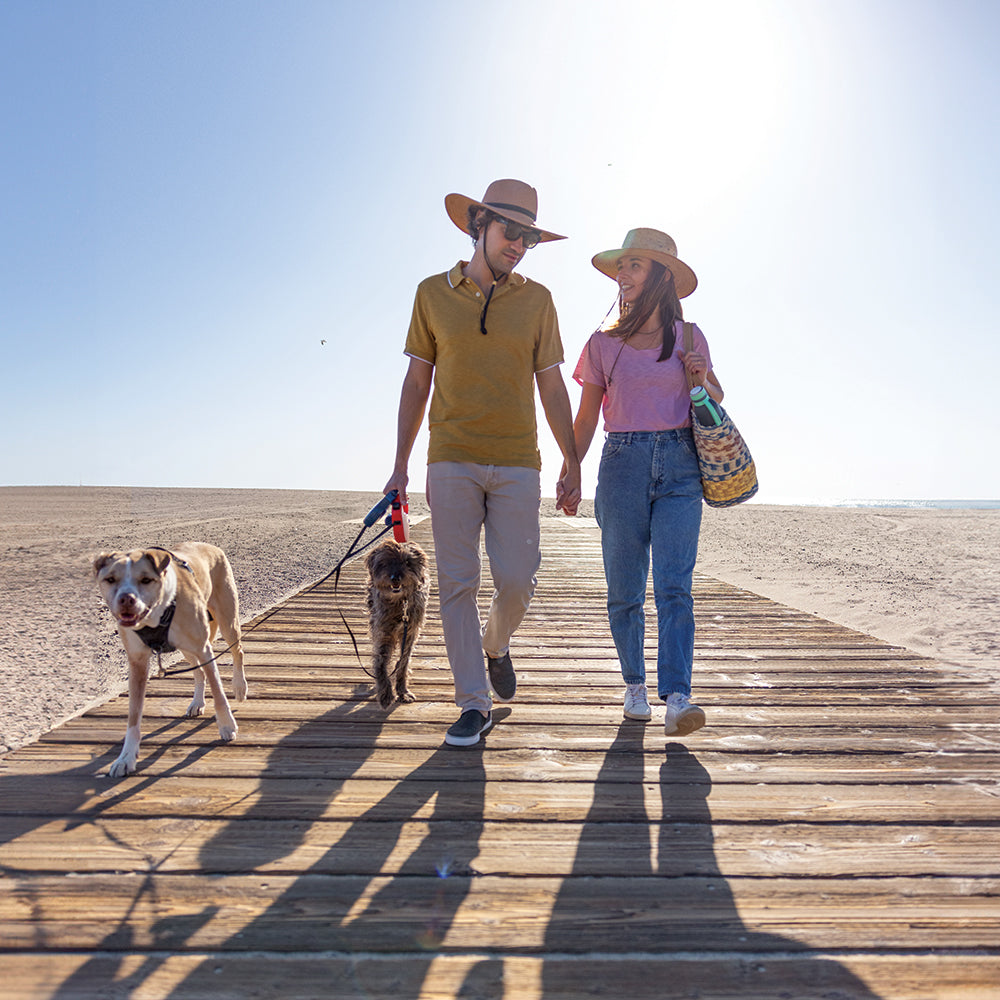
(649, 491)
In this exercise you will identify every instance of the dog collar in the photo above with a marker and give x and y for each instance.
(155, 636)
(177, 559)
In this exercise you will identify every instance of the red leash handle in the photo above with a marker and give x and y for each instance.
(400, 521)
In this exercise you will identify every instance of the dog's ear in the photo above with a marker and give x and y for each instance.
(102, 560)
(160, 558)
(377, 553)
(418, 563)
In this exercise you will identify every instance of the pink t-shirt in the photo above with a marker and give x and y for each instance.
(643, 394)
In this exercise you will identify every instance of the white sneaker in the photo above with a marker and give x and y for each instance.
(682, 716)
(636, 703)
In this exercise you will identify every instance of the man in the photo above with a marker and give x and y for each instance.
(485, 336)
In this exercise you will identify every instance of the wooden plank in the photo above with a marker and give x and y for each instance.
(837, 678)
(374, 846)
(336, 732)
(414, 796)
(164, 699)
(153, 975)
(81, 765)
(535, 708)
(753, 641)
(578, 915)
(284, 665)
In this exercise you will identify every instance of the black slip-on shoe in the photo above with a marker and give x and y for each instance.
(503, 680)
(470, 726)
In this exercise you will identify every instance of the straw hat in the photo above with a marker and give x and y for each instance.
(655, 245)
(509, 198)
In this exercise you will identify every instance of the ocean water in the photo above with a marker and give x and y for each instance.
(926, 504)
(905, 504)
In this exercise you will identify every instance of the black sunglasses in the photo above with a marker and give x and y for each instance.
(515, 231)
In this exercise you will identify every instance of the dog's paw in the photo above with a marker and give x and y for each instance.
(228, 733)
(124, 765)
(385, 696)
(196, 708)
(241, 690)
(407, 697)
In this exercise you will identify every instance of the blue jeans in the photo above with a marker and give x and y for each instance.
(649, 496)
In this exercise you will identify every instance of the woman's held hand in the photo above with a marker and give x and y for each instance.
(695, 364)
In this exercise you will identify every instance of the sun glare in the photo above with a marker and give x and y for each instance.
(729, 89)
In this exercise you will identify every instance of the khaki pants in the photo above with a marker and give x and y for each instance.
(465, 499)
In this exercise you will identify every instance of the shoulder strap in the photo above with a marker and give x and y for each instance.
(688, 345)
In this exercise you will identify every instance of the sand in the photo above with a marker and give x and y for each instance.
(925, 579)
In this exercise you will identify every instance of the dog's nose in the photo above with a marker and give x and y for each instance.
(126, 600)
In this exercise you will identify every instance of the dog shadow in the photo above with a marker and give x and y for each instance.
(84, 793)
(83, 796)
(89, 795)
(403, 868)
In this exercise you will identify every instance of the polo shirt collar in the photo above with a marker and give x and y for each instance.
(455, 277)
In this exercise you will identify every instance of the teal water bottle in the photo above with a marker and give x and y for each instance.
(706, 411)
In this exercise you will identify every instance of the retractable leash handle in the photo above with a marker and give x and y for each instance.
(380, 508)
(400, 521)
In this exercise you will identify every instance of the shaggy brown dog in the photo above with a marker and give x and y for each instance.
(398, 585)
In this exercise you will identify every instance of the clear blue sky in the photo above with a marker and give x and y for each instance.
(195, 195)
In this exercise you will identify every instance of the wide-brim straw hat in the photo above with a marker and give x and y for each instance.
(509, 198)
(655, 245)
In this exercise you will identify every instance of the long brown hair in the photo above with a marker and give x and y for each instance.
(659, 290)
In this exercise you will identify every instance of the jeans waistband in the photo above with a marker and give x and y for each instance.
(677, 434)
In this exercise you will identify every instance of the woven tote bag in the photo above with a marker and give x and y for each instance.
(728, 473)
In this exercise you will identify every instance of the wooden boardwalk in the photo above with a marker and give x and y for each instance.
(832, 833)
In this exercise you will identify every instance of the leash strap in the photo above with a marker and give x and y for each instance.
(351, 553)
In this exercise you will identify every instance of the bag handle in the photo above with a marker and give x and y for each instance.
(688, 345)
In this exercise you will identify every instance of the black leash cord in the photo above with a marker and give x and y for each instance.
(369, 521)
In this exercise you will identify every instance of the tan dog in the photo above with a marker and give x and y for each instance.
(398, 586)
(173, 600)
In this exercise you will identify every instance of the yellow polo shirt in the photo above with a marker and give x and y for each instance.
(483, 406)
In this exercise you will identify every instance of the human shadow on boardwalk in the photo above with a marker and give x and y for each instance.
(386, 880)
(389, 880)
(105, 972)
(674, 900)
(392, 880)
